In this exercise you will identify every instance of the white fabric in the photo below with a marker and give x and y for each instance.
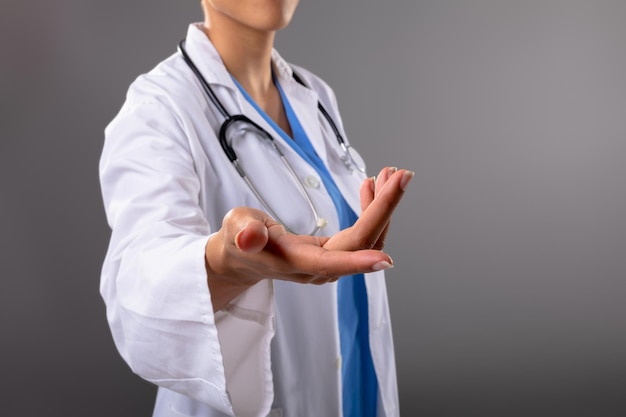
(166, 185)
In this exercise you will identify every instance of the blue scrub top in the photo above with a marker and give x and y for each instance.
(359, 384)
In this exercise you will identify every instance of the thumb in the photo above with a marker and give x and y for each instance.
(253, 237)
(247, 227)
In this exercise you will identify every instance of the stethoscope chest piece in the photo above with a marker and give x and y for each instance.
(352, 159)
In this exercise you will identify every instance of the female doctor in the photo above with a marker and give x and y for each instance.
(238, 277)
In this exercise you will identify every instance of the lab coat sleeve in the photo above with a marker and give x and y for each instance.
(154, 281)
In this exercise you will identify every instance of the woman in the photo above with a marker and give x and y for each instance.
(208, 295)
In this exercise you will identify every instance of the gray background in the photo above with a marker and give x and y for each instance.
(508, 294)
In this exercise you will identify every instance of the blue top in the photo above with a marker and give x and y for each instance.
(360, 387)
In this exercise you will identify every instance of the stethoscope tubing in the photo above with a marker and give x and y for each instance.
(346, 158)
(205, 85)
(230, 120)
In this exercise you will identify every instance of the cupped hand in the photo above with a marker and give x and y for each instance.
(251, 246)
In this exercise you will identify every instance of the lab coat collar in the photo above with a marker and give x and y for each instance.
(206, 58)
(284, 73)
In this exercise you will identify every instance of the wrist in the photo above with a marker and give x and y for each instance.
(223, 285)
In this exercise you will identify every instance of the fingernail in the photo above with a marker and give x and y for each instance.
(379, 266)
(392, 170)
(406, 178)
(373, 184)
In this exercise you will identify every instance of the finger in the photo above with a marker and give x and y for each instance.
(367, 192)
(330, 264)
(371, 186)
(375, 218)
(380, 243)
(341, 263)
(373, 222)
(380, 182)
(382, 178)
(302, 254)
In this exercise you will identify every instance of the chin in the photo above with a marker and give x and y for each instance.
(273, 18)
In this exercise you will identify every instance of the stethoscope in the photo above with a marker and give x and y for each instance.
(350, 157)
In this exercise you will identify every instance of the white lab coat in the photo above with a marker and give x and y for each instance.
(166, 185)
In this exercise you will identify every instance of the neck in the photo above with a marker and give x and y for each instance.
(246, 53)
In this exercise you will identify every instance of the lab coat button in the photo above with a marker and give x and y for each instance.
(312, 181)
(322, 222)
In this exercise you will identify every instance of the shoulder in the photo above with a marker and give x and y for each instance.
(170, 83)
(166, 92)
